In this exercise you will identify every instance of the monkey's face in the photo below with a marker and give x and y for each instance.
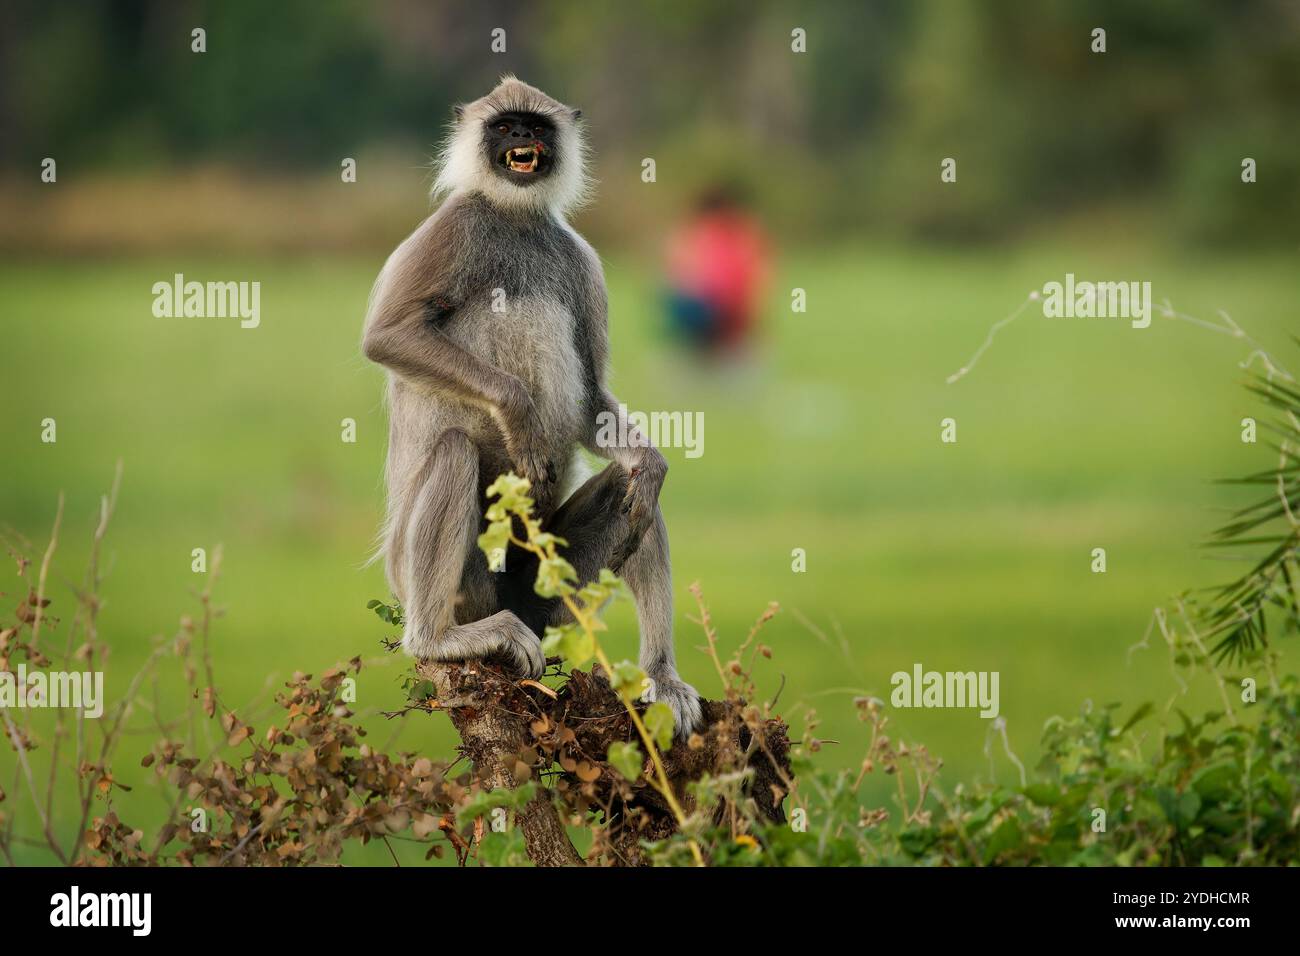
(521, 147)
(517, 146)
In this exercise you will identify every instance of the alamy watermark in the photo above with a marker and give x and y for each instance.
(922, 688)
(75, 908)
(1102, 300)
(624, 429)
(208, 300)
(83, 691)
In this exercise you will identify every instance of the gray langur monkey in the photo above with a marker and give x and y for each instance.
(491, 322)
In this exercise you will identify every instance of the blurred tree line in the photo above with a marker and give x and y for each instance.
(848, 135)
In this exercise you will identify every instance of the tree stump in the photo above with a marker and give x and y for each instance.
(518, 731)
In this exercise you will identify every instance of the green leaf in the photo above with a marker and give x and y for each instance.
(627, 679)
(485, 801)
(1043, 794)
(626, 759)
(1006, 837)
(495, 538)
(617, 587)
(544, 539)
(593, 594)
(552, 641)
(580, 648)
(511, 490)
(658, 719)
(1179, 809)
(1218, 782)
(916, 840)
(571, 642)
(421, 690)
(553, 577)
(1138, 714)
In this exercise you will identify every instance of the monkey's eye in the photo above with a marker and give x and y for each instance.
(539, 130)
(503, 127)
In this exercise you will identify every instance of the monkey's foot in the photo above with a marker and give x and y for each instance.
(682, 699)
(501, 636)
(523, 655)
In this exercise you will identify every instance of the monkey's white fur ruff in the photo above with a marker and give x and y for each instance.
(463, 163)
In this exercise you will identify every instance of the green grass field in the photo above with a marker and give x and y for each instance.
(1072, 434)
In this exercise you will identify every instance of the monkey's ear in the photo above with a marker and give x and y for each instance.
(458, 111)
(577, 114)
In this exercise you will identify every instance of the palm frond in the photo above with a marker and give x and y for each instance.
(1238, 613)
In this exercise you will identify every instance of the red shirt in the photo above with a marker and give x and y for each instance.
(721, 258)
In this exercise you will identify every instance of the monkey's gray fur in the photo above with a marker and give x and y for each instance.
(474, 392)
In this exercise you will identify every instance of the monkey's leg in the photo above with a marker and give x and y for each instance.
(649, 575)
(436, 541)
(593, 523)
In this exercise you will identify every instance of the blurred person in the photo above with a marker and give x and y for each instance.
(717, 266)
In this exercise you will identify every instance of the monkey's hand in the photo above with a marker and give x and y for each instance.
(530, 458)
(523, 435)
(645, 478)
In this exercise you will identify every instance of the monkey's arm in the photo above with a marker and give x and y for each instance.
(629, 447)
(410, 303)
(644, 463)
(407, 344)
(403, 340)
(606, 431)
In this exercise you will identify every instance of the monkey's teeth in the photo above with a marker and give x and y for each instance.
(523, 160)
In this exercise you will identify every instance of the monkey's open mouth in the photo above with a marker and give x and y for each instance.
(524, 159)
